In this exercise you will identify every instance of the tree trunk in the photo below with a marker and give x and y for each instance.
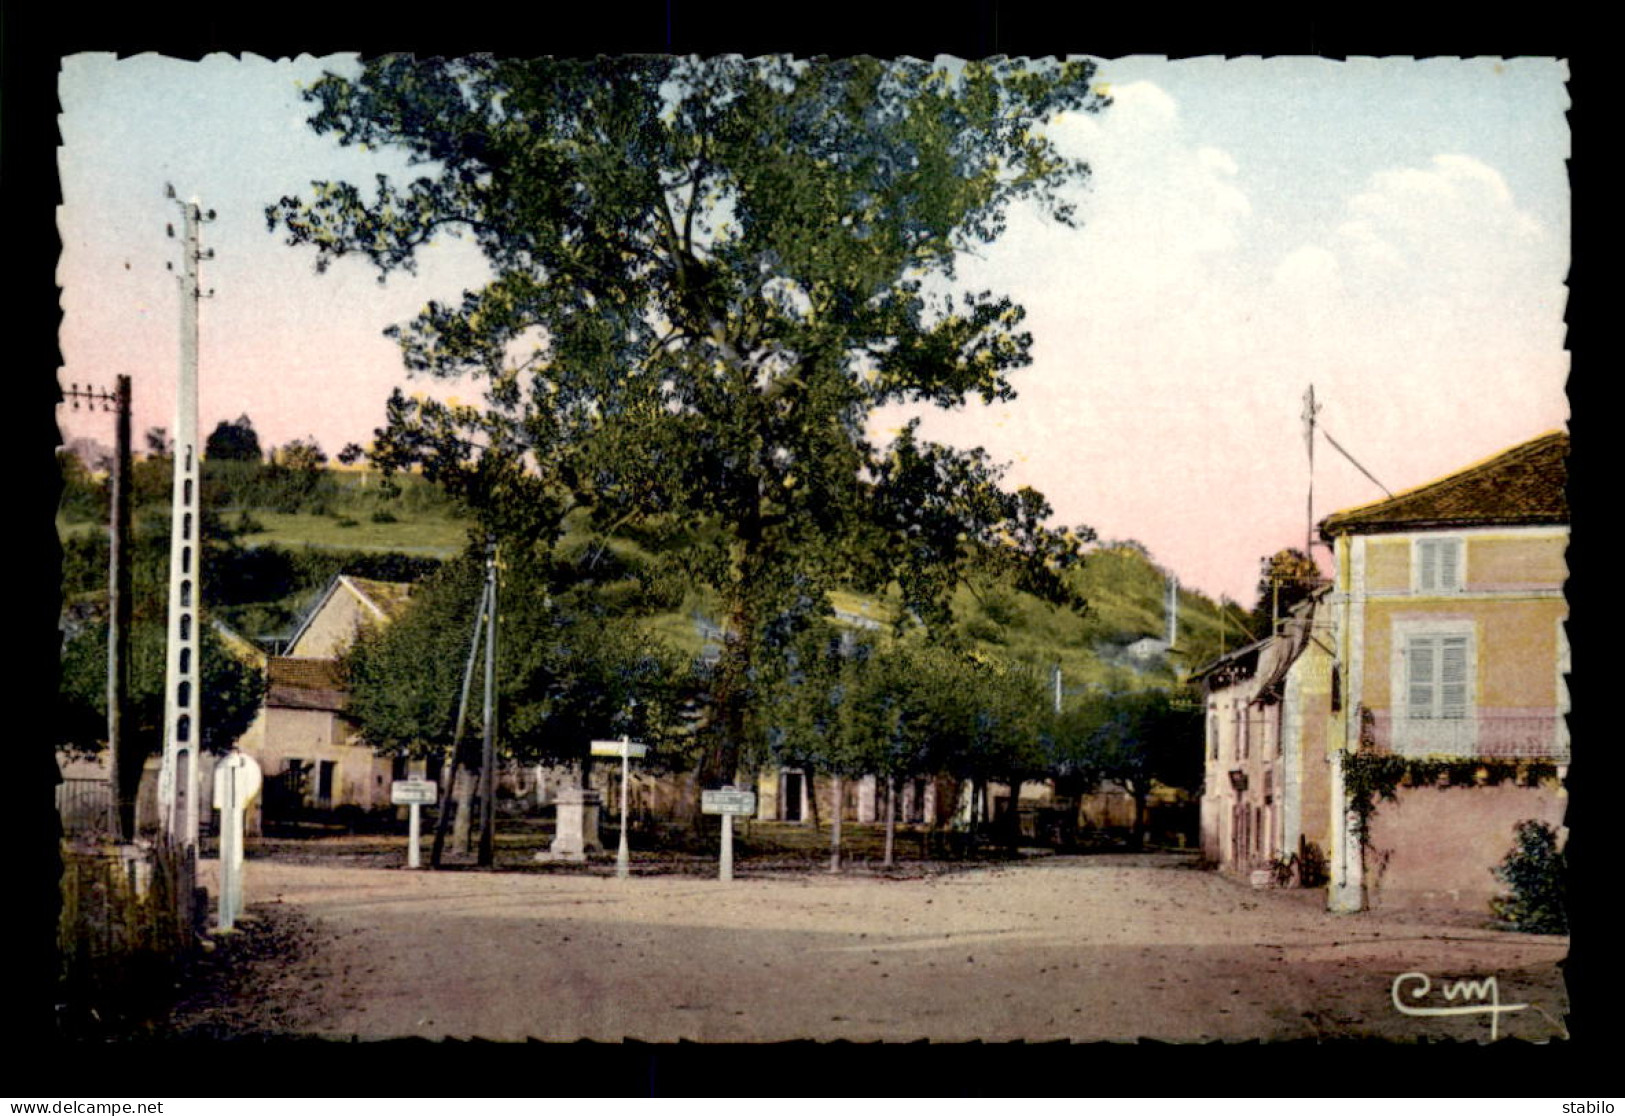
(812, 799)
(835, 828)
(443, 813)
(462, 830)
(891, 819)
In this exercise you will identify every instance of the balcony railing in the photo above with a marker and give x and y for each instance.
(1487, 734)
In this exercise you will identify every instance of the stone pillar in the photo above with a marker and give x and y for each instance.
(576, 833)
(868, 811)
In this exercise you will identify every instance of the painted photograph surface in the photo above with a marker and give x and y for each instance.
(762, 549)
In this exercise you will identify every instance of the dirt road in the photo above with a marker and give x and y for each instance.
(1088, 948)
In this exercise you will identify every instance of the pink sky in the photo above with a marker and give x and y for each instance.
(1395, 233)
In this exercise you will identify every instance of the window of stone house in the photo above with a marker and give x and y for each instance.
(1437, 565)
(1433, 687)
(1436, 677)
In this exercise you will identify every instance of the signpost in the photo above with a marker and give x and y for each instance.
(627, 750)
(236, 781)
(414, 794)
(728, 801)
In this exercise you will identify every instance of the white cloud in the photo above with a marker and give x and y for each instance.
(1452, 226)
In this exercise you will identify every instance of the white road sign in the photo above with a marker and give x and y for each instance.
(408, 792)
(728, 801)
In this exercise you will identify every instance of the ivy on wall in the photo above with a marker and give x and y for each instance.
(1370, 776)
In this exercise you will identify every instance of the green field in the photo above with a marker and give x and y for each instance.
(428, 533)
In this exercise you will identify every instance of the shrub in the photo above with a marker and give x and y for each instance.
(383, 515)
(1536, 870)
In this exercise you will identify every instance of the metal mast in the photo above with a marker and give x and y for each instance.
(178, 778)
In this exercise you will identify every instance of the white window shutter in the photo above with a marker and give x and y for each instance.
(1420, 676)
(1453, 677)
(1450, 564)
(1427, 553)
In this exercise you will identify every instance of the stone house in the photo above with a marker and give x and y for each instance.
(1432, 670)
(1264, 796)
(308, 750)
(1449, 611)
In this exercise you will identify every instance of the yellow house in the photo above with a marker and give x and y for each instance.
(1448, 612)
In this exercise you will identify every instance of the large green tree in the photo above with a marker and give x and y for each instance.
(707, 274)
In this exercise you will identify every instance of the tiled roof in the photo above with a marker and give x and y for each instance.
(1242, 662)
(1524, 485)
(305, 684)
(390, 597)
(385, 600)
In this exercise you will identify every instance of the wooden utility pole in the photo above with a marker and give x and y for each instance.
(123, 759)
(488, 756)
(121, 805)
(457, 767)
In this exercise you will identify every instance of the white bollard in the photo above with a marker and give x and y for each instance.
(236, 781)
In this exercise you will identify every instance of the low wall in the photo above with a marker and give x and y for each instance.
(1437, 846)
(130, 914)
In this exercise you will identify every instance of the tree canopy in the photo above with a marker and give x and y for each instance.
(567, 672)
(231, 682)
(707, 275)
(1285, 578)
(234, 441)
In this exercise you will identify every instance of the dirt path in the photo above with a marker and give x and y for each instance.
(1095, 948)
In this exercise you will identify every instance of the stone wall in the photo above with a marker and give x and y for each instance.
(1437, 846)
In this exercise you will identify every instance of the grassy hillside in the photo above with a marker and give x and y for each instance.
(348, 519)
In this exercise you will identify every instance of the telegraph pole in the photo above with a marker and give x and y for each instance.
(488, 757)
(457, 766)
(121, 804)
(183, 725)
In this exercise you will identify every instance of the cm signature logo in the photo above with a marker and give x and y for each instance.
(1483, 997)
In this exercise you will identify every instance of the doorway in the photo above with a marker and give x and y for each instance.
(790, 804)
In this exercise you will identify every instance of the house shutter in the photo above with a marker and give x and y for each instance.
(1427, 553)
(1450, 564)
(1453, 677)
(1420, 678)
(1438, 564)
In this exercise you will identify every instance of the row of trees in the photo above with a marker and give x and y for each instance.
(835, 703)
(236, 474)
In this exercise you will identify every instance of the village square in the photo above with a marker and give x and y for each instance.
(652, 662)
